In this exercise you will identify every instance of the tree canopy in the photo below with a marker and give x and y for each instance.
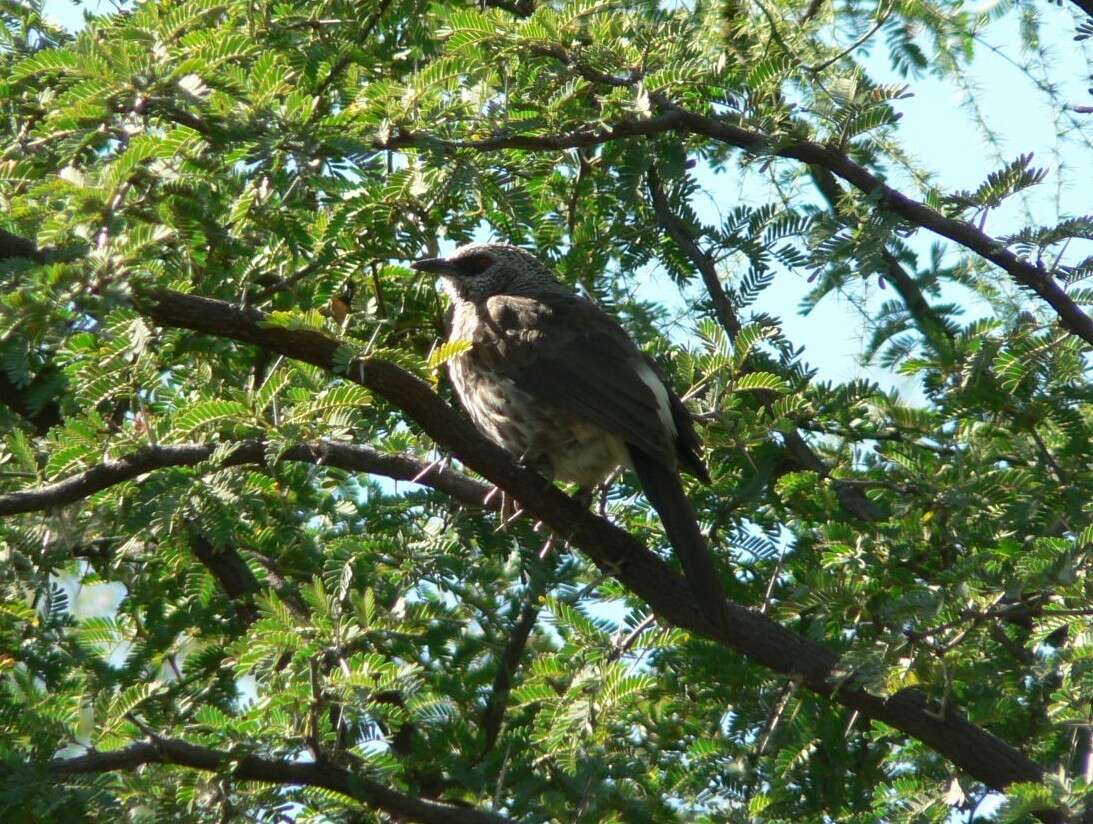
(254, 563)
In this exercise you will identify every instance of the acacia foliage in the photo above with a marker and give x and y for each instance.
(289, 609)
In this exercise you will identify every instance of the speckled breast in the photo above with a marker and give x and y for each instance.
(533, 431)
(498, 408)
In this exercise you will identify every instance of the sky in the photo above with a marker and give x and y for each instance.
(939, 132)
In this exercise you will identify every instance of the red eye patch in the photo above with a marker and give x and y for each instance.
(474, 264)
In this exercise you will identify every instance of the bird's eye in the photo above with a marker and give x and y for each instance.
(474, 264)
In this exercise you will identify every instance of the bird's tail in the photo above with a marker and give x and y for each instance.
(664, 489)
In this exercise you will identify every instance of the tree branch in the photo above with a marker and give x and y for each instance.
(231, 572)
(330, 453)
(852, 499)
(980, 753)
(14, 246)
(674, 118)
(919, 214)
(275, 771)
(494, 713)
(929, 323)
(704, 263)
(361, 38)
(587, 136)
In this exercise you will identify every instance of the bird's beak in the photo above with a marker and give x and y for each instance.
(438, 266)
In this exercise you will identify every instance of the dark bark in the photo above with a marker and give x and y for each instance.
(684, 238)
(494, 713)
(675, 119)
(14, 246)
(330, 453)
(255, 768)
(231, 572)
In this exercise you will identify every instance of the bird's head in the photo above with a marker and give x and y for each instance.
(480, 270)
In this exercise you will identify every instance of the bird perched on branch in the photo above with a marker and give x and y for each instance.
(560, 385)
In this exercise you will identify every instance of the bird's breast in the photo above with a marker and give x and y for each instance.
(497, 406)
(534, 431)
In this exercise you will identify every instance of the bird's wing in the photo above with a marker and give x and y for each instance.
(564, 351)
(688, 444)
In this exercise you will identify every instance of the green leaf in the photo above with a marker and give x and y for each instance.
(207, 412)
(446, 351)
(760, 380)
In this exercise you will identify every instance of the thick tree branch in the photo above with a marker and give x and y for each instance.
(981, 754)
(330, 453)
(674, 118)
(255, 768)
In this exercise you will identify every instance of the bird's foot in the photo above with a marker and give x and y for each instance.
(510, 511)
(539, 464)
(508, 508)
(587, 494)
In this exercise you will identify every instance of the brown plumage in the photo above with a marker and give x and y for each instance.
(341, 303)
(560, 385)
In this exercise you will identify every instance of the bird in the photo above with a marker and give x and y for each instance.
(560, 385)
(341, 302)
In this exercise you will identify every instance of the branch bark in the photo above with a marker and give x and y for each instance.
(494, 713)
(331, 453)
(14, 246)
(231, 573)
(275, 771)
(679, 232)
(674, 118)
(975, 750)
